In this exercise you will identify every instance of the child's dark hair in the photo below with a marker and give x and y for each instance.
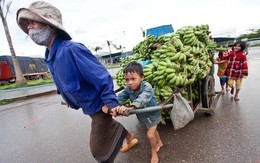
(220, 54)
(242, 45)
(134, 67)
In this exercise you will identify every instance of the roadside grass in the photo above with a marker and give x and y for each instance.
(6, 101)
(29, 84)
(113, 66)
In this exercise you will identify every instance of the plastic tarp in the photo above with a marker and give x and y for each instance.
(160, 30)
(5, 71)
(9, 61)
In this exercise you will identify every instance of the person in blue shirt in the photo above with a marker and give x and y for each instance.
(81, 79)
(141, 95)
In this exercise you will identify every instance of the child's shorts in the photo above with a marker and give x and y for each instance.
(150, 119)
(238, 82)
(223, 80)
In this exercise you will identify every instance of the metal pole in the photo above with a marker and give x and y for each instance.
(108, 43)
(147, 109)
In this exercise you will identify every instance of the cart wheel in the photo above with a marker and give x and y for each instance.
(207, 92)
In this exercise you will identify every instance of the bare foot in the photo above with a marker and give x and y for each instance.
(158, 146)
(155, 158)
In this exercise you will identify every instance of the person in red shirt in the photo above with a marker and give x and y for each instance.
(237, 67)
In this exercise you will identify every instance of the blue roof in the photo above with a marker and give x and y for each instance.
(160, 30)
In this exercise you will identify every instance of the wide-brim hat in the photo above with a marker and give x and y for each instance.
(41, 12)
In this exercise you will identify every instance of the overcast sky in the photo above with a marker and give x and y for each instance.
(120, 21)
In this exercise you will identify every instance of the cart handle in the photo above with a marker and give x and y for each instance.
(118, 89)
(147, 109)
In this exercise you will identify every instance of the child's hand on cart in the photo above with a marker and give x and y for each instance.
(122, 110)
(117, 111)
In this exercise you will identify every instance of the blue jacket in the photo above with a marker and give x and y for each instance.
(81, 79)
(144, 98)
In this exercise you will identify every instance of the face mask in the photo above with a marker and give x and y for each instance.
(41, 36)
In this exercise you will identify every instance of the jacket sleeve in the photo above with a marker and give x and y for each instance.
(144, 97)
(96, 74)
(122, 97)
(244, 66)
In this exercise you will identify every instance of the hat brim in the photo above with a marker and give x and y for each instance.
(25, 14)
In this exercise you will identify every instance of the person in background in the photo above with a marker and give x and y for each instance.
(141, 95)
(237, 67)
(81, 79)
(222, 66)
(246, 46)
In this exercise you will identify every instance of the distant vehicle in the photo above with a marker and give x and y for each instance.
(32, 68)
(116, 60)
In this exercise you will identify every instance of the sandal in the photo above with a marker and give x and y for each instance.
(236, 98)
(125, 147)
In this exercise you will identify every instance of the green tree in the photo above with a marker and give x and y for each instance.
(254, 33)
(20, 79)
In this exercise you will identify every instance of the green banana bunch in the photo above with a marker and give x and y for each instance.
(178, 59)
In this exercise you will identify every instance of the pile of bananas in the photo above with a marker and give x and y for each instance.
(178, 59)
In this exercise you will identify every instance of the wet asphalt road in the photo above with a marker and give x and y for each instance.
(43, 131)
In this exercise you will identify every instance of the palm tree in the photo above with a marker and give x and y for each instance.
(97, 48)
(108, 44)
(20, 79)
(120, 47)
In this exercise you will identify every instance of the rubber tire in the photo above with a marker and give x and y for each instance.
(207, 87)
